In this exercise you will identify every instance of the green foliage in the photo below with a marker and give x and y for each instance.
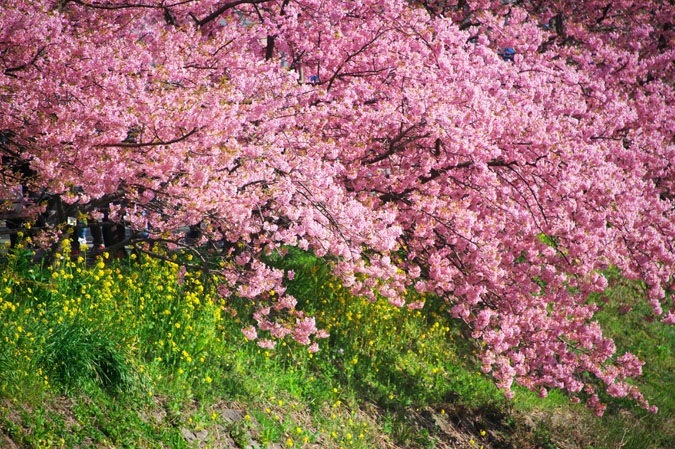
(134, 339)
(75, 354)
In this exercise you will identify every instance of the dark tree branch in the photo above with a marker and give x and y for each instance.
(11, 70)
(224, 7)
(396, 144)
(435, 173)
(269, 50)
(147, 144)
(97, 5)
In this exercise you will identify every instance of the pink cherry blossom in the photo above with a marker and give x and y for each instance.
(501, 166)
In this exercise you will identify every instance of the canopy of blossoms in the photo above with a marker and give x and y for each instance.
(497, 154)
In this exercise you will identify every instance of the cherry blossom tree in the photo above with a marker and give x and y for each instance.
(499, 155)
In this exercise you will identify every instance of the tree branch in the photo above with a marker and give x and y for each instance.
(224, 7)
(10, 70)
(147, 144)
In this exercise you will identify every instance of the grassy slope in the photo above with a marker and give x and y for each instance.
(123, 355)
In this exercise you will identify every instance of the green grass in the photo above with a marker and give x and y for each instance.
(623, 424)
(653, 342)
(121, 354)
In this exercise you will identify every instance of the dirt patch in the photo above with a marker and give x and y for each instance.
(6, 442)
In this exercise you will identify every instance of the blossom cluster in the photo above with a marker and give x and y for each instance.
(499, 155)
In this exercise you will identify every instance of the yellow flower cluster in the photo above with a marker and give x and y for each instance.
(156, 318)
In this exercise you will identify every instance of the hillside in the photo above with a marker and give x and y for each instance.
(134, 353)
